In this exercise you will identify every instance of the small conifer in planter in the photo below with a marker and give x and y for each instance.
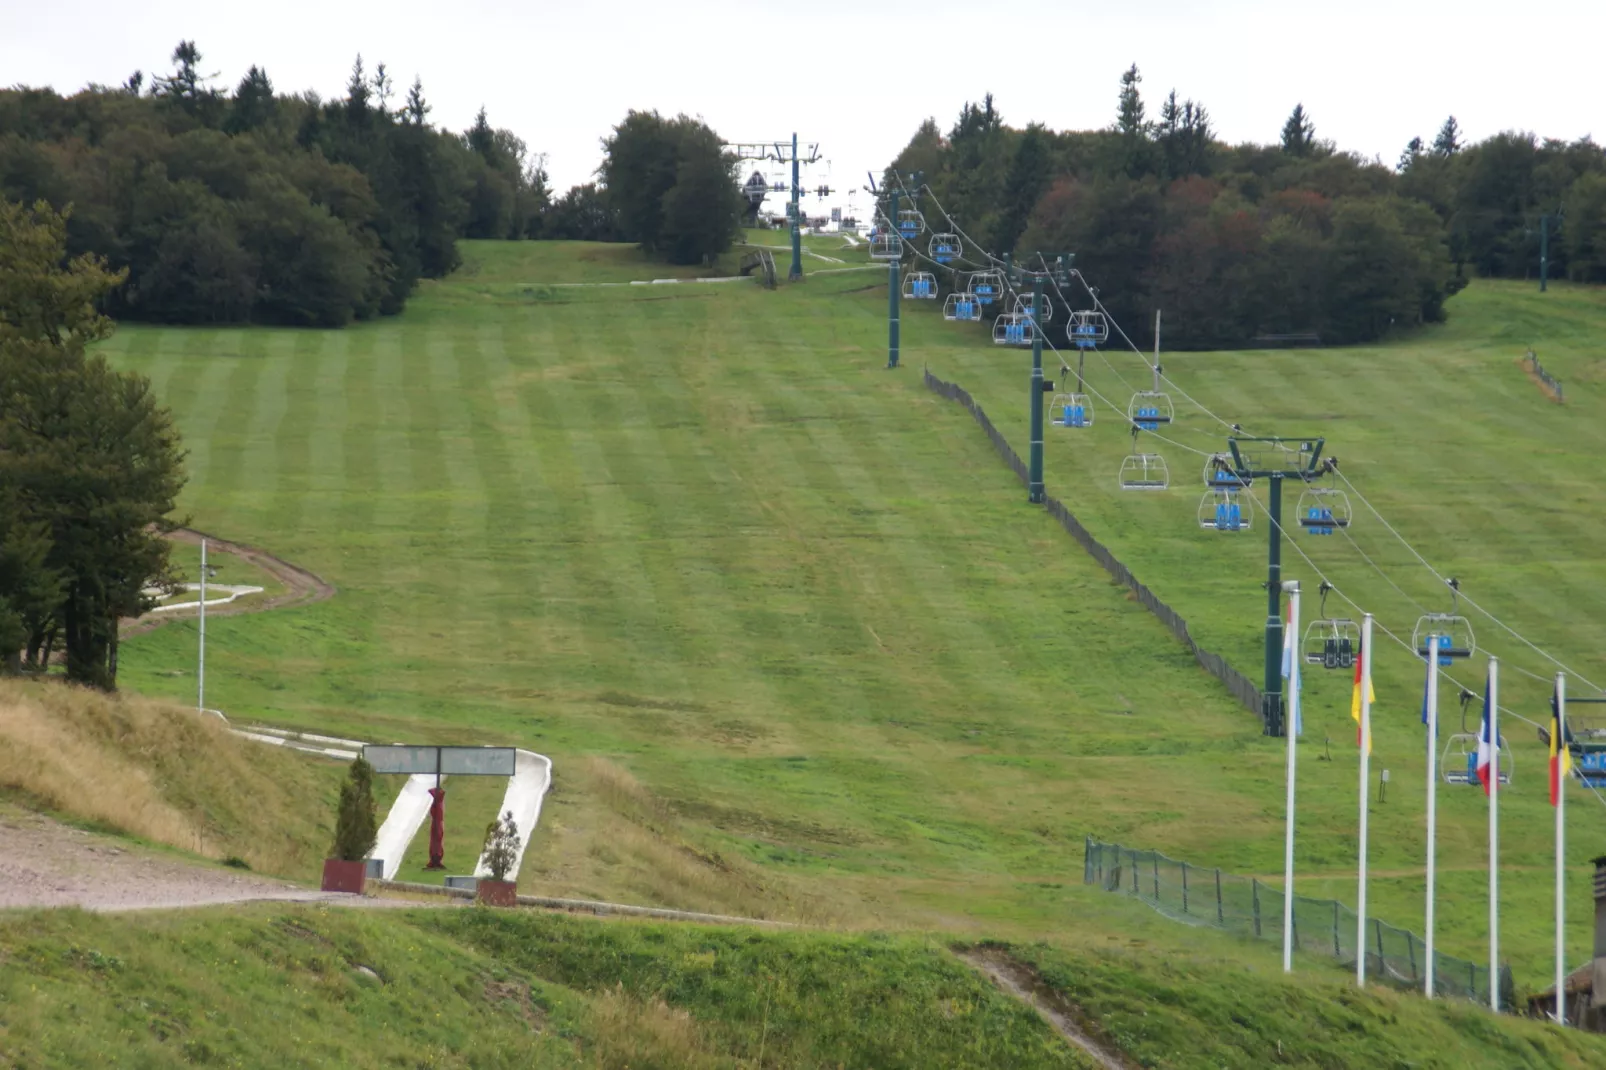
(500, 853)
(355, 831)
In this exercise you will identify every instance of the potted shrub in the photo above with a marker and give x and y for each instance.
(500, 853)
(355, 831)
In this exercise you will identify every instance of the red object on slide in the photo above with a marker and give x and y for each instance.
(437, 828)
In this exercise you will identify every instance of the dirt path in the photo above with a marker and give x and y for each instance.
(1022, 982)
(44, 863)
(300, 586)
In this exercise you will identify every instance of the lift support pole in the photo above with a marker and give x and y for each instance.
(892, 286)
(1034, 491)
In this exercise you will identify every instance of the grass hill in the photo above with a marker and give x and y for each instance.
(789, 630)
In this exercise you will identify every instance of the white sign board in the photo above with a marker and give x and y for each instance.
(448, 761)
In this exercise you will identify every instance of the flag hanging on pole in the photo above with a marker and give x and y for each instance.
(1363, 683)
(1560, 760)
(1486, 745)
(1288, 666)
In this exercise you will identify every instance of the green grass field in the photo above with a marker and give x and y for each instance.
(788, 629)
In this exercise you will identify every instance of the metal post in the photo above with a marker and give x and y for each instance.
(1365, 656)
(1338, 947)
(1560, 743)
(1288, 822)
(1221, 917)
(1184, 887)
(797, 238)
(1544, 251)
(1155, 858)
(1433, 802)
(892, 284)
(1254, 902)
(200, 666)
(1494, 832)
(1035, 478)
(1272, 694)
(1156, 351)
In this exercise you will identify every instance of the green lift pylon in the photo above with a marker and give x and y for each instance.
(1037, 386)
(913, 178)
(1274, 460)
(777, 152)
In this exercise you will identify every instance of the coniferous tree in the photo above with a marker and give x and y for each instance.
(1299, 133)
(1412, 153)
(415, 111)
(1448, 141)
(253, 103)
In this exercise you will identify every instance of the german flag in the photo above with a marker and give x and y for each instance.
(1362, 679)
(1561, 762)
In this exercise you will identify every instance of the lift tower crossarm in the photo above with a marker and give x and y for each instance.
(784, 152)
(1290, 458)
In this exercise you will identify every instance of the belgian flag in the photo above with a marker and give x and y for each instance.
(1561, 762)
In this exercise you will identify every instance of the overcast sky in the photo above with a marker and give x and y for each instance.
(858, 77)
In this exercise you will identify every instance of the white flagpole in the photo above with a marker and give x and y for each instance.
(200, 669)
(1560, 743)
(1494, 834)
(1289, 723)
(1433, 795)
(1366, 777)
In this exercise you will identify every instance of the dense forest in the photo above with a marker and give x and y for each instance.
(1242, 242)
(257, 206)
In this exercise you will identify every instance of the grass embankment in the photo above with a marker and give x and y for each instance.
(152, 770)
(271, 986)
(700, 535)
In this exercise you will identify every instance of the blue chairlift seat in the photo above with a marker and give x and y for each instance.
(1591, 766)
(1152, 423)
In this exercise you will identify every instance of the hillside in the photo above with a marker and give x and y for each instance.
(791, 635)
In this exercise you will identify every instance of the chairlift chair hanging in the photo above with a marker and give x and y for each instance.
(886, 245)
(1071, 410)
(1458, 764)
(1025, 305)
(987, 286)
(1452, 634)
(1148, 409)
(1323, 510)
(1144, 471)
(963, 307)
(1332, 643)
(920, 285)
(1219, 473)
(944, 248)
(1013, 330)
(911, 224)
(1087, 329)
(1223, 510)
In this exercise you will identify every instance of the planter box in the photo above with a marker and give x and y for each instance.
(342, 876)
(496, 893)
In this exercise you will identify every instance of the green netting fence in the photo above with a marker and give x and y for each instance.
(1253, 908)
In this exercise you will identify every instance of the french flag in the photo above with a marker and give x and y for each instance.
(1486, 745)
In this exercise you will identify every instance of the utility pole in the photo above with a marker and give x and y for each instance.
(1277, 464)
(779, 152)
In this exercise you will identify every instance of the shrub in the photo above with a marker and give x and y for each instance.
(355, 828)
(501, 846)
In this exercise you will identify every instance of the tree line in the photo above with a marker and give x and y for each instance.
(90, 464)
(1238, 242)
(263, 207)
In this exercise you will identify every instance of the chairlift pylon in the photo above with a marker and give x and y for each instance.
(1071, 410)
(1148, 409)
(1087, 329)
(1222, 510)
(986, 285)
(1144, 471)
(1323, 510)
(963, 307)
(1013, 330)
(944, 248)
(920, 286)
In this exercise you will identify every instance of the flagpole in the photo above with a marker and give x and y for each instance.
(1560, 745)
(1366, 786)
(1433, 796)
(200, 654)
(1291, 730)
(1494, 834)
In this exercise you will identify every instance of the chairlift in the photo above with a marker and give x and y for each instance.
(1222, 510)
(1452, 635)
(1026, 304)
(944, 248)
(1221, 474)
(920, 285)
(987, 286)
(911, 224)
(962, 307)
(1148, 409)
(1144, 471)
(1071, 410)
(1011, 329)
(885, 245)
(1458, 764)
(1332, 642)
(1088, 329)
(1322, 510)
